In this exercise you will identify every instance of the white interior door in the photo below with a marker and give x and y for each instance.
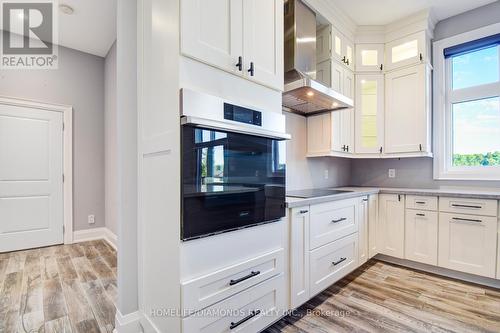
(31, 185)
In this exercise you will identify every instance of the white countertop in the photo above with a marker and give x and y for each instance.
(362, 191)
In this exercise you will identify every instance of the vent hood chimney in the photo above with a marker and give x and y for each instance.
(303, 94)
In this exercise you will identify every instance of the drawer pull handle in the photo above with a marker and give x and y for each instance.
(466, 220)
(335, 263)
(251, 275)
(303, 211)
(466, 206)
(420, 214)
(247, 318)
(420, 202)
(339, 220)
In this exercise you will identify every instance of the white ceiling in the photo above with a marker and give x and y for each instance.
(382, 12)
(91, 28)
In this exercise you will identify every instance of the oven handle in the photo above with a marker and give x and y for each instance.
(235, 128)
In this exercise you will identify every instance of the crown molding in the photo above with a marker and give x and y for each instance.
(334, 15)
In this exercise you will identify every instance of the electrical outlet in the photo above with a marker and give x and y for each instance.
(392, 173)
(91, 219)
(326, 174)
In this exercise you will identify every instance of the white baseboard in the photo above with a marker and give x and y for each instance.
(129, 323)
(96, 233)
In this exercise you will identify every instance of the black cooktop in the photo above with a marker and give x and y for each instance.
(312, 193)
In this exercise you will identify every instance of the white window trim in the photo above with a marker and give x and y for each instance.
(442, 134)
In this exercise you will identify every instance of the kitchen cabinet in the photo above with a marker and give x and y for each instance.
(407, 110)
(392, 223)
(323, 44)
(244, 38)
(334, 75)
(373, 229)
(410, 50)
(369, 114)
(421, 236)
(369, 57)
(363, 231)
(330, 133)
(331, 44)
(299, 256)
(468, 243)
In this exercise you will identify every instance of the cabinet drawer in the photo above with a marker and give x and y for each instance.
(250, 311)
(332, 262)
(331, 221)
(204, 291)
(468, 206)
(421, 202)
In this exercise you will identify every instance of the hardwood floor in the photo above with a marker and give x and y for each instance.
(66, 288)
(380, 297)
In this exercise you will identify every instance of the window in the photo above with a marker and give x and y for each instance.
(467, 110)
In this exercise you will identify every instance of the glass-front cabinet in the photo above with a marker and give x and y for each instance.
(369, 115)
(406, 51)
(369, 57)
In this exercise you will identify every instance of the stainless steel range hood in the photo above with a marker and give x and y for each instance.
(303, 94)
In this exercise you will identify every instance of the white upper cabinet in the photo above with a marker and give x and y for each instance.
(329, 134)
(369, 122)
(348, 54)
(263, 41)
(407, 110)
(337, 44)
(369, 57)
(212, 32)
(323, 44)
(241, 37)
(406, 51)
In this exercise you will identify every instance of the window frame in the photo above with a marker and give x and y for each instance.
(444, 97)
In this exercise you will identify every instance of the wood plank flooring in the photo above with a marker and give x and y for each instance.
(59, 289)
(380, 297)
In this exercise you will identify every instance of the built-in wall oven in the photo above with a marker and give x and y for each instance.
(233, 166)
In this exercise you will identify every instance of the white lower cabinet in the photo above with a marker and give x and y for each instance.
(333, 261)
(468, 243)
(421, 236)
(363, 249)
(373, 230)
(299, 256)
(392, 224)
(333, 220)
(250, 311)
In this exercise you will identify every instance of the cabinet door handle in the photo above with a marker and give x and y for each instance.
(339, 220)
(247, 318)
(303, 211)
(466, 220)
(347, 62)
(420, 202)
(251, 70)
(420, 214)
(239, 65)
(251, 275)
(343, 60)
(421, 57)
(381, 66)
(466, 206)
(381, 150)
(335, 263)
(343, 148)
(347, 148)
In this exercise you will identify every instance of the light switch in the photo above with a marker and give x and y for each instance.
(392, 173)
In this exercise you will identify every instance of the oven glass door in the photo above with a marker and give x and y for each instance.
(230, 181)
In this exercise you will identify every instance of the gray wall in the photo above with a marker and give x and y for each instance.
(304, 173)
(468, 21)
(418, 172)
(78, 82)
(111, 141)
